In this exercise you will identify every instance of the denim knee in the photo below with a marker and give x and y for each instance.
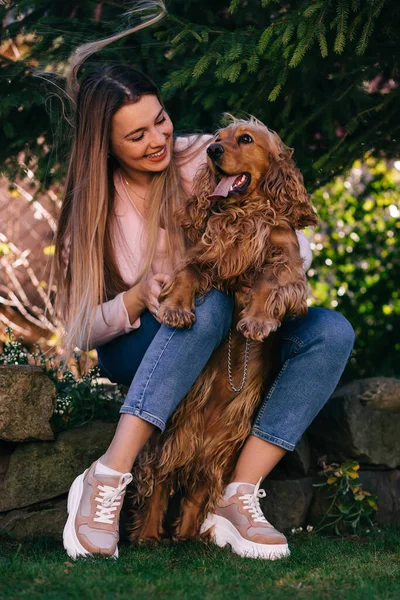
(335, 332)
(215, 313)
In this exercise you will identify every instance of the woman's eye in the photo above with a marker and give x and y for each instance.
(137, 139)
(142, 136)
(245, 139)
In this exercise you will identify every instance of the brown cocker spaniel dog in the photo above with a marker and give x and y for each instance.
(240, 224)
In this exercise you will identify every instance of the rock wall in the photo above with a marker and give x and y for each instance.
(359, 422)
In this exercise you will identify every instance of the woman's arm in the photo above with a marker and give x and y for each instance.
(134, 303)
(116, 317)
(122, 314)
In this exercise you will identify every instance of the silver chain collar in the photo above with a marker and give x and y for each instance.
(246, 363)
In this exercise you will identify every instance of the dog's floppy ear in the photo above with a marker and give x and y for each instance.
(192, 217)
(283, 185)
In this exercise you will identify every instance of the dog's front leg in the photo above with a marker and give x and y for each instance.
(147, 523)
(280, 291)
(188, 524)
(178, 297)
(264, 313)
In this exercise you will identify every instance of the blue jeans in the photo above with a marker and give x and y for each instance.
(161, 364)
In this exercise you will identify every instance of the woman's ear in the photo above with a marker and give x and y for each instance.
(192, 217)
(284, 187)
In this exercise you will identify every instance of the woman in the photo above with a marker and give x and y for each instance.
(116, 246)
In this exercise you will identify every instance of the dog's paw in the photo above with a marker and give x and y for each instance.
(257, 328)
(186, 527)
(175, 316)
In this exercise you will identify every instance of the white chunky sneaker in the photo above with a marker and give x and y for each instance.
(240, 522)
(94, 506)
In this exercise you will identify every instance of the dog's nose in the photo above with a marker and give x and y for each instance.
(215, 150)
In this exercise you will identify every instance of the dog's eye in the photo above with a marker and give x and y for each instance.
(245, 139)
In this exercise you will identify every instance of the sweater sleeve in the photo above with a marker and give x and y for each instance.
(197, 156)
(114, 323)
(305, 250)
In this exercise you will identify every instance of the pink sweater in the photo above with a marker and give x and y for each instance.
(130, 242)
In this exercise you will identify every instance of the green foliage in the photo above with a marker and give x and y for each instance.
(356, 261)
(80, 398)
(319, 72)
(13, 352)
(310, 82)
(350, 507)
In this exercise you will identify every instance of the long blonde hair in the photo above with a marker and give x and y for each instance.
(85, 266)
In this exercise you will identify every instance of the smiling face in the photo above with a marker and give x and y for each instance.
(241, 151)
(141, 136)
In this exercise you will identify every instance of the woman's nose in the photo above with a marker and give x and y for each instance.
(158, 138)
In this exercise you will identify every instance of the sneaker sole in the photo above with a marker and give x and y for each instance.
(70, 540)
(223, 532)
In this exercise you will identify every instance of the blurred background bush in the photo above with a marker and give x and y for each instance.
(323, 74)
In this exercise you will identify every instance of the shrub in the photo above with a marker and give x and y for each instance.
(350, 507)
(356, 265)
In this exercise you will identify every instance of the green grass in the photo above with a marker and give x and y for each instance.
(353, 568)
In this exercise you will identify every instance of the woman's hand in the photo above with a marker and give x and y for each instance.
(150, 289)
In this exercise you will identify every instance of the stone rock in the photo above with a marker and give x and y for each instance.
(44, 519)
(38, 471)
(6, 449)
(386, 485)
(346, 428)
(287, 502)
(27, 402)
(294, 464)
(380, 393)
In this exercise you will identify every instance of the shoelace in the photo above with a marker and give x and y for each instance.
(108, 499)
(252, 504)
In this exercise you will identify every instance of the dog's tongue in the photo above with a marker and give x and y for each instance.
(224, 186)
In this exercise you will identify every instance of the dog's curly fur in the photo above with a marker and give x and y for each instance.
(246, 239)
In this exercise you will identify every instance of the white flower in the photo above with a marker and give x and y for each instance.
(310, 528)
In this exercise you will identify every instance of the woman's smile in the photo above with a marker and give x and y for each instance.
(157, 156)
